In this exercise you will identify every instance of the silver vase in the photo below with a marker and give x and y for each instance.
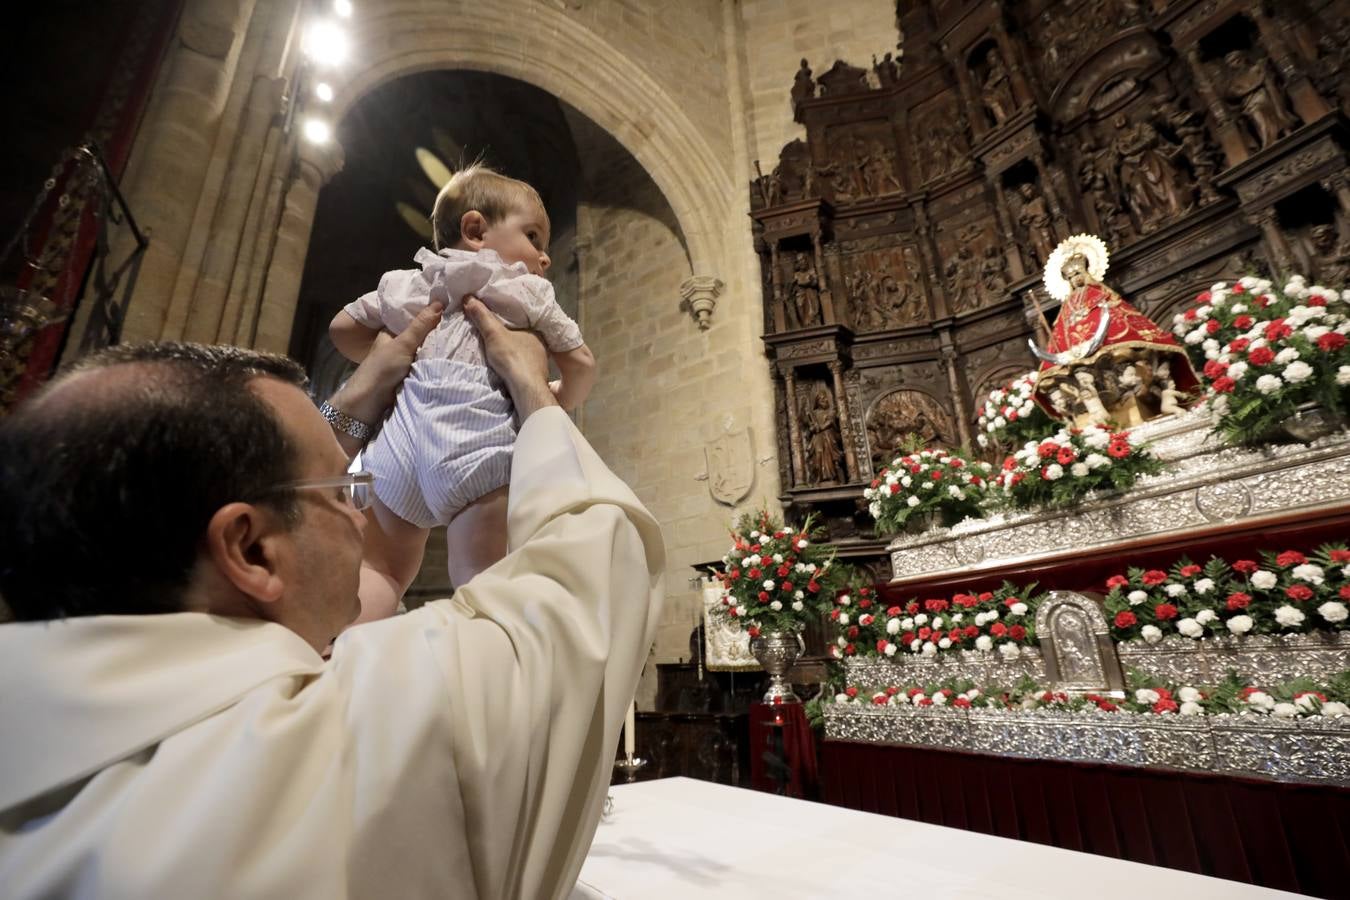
(1312, 421)
(776, 651)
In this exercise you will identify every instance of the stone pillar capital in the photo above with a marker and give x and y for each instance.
(698, 297)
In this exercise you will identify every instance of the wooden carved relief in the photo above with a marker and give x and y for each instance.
(903, 416)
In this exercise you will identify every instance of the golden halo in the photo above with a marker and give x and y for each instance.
(1090, 247)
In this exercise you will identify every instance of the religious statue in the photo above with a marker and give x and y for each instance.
(994, 270)
(997, 89)
(1330, 256)
(888, 70)
(1102, 350)
(1095, 179)
(803, 87)
(1034, 217)
(824, 451)
(878, 165)
(963, 276)
(841, 185)
(1149, 175)
(1195, 146)
(805, 292)
(861, 289)
(1252, 86)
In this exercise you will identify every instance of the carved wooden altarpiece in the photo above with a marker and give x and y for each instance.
(902, 240)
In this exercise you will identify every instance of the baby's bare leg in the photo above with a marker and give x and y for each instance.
(476, 537)
(390, 560)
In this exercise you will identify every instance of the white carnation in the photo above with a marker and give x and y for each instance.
(1343, 375)
(1204, 585)
(1146, 695)
(1269, 384)
(1151, 634)
(944, 644)
(1263, 580)
(929, 649)
(1332, 611)
(984, 642)
(1191, 628)
(1009, 651)
(1205, 616)
(1297, 371)
(841, 698)
(1136, 597)
(843, 618)
(1079, 469)
(776, 606)
(1097, 439)
(798, 606)
(768, 585)
(1096, 461)
(912, 501)
(1237, 370)
(1288, 616)
(921, 619)
(1054, 472)
(1188, 695)
(890, 649)
(1018, 609)
(1285, 711)
(1240, 624)
(1175, 590)
(1286, 356)
(1309, 572)
(1191, 708)
(893, 626)
(1334, 710)
(914, 645)
(937, 622)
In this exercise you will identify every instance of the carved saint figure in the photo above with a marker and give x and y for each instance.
(803, 87)
(1075, 646)
(997, 89)
(963, 275)
(1252, 86)
(1097, 329)
(879, 171)
(1330, 256)
(1034, 217)
(1094, 176)
(805, 292)
(1149, 174)
(824, 452)
(994, 270)
(1195, 146)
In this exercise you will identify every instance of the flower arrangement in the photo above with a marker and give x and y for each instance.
(1264, 352)
(1061, 469)
(1010, 416)
(1298, 698)
(1285, 593)
(925, 485)
(776, 578)
(999, 621)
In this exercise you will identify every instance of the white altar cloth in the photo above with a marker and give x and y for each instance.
(681, 838)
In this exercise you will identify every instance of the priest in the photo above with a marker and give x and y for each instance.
(179, 542)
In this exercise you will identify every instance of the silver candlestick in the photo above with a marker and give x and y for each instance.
(630, 767)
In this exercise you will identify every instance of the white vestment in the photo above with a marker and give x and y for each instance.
(462, 750)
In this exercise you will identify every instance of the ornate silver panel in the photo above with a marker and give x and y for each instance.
(1202, 486)
(1312, 750)
(1271, 657)
(910, 668)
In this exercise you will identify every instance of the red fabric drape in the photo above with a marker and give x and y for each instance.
(1290, 837)
(780, 736)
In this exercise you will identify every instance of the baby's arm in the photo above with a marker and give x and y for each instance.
(352, 339)
(578, 370)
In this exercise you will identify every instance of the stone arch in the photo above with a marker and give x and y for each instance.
(555, 52)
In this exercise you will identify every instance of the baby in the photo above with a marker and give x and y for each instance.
(444, 455)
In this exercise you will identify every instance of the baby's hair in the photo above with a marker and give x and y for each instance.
(477, 187)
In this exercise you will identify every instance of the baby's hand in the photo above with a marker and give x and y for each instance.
(555, 386)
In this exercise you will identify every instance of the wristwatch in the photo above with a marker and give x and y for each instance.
(345, 423)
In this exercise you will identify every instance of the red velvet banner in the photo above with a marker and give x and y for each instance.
(1291, 837)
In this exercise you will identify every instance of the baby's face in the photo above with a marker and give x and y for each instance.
(522, 236)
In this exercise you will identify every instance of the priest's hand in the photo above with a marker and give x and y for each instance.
(519, 357)
(370, 392)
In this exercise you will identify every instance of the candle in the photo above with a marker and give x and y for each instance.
(630, 730)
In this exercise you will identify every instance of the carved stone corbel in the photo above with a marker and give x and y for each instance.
(698, 297)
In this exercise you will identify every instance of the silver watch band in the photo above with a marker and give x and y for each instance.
(345, 423)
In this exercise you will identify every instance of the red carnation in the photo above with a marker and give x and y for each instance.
(787, 586)
(955, 635)
(925, 633)
(1299, 592)
(1243, 322)
(1213, 369)
(998, 629)
(1238, 345)
(893, 611)
(783, 571)
(1009, 463)
(986, 596)
(881, 645)
(1017, 632)
(862, 604)
(754, 548)
(1011, 602)
(912, 607)
(926, 701)
(895, 489)
(756, 573)
(913, 692)
(1188, 571)
(961, 703)
(892, 691)
(763, 596)
(1201, 299)
(1245, 566)
(1238, 601)
(1261, 356)
(1223, 385)
(812, 586)
(937, 474)
(1117, 581)
(1047, 449)
(1189, 315)
(1165, 612)
(1165, 706)
(1066, 455)
(1107, 706)
(880, 700)
(1125, 618)
(907, 638)
(1277, 330)
(752, 631)
(850, 650)
(1344, 592)
(1290, 558)
(1212, 326)
(972, 631)
(852, 631)
(1237, 288)
(1317, 301)
(851, 691)
(1340, 556)
(1154, 577)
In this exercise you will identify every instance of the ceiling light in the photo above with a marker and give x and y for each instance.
(326, 44)
(432, 166)
(317, 131)
(324, 91)
(343, 8)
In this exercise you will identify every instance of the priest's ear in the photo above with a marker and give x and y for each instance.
(246, 544)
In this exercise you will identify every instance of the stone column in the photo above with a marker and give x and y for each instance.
(845, 420)
(1269, 224)
(698, 294)
(794, 427)
(1005, 221)
(1012, 56)
(827, 315)
(315, 164)
(173, 150)
(776, 276)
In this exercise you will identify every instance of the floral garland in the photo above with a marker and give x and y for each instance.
(776, 578)
(1011, 416)
(1001, 621)
(1298, 698)
(926, 483)
(1065, 467)
(1287, 593)
(1263, 352)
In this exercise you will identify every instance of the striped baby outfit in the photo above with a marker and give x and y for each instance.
(449, 439)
